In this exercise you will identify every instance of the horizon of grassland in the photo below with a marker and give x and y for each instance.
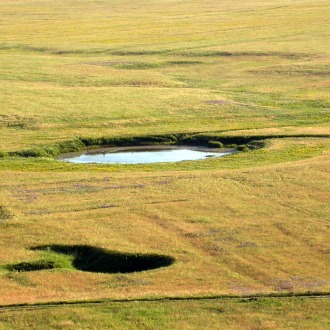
(252, 223)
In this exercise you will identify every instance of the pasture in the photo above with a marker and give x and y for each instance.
(250, 224)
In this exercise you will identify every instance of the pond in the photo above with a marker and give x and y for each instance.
(144, 155)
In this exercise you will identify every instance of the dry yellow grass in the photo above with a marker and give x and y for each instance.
(242, 231)
(250, 223)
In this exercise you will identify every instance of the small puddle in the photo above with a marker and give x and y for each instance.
(144, 155)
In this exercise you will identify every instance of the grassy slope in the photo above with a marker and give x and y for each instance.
(249, 223)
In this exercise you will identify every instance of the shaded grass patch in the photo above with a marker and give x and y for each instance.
(31, 266)
(250, 142)
(91, 259)
(214, 53)
(137, 65)
(126, 141)
(98, 260)
(294, 70)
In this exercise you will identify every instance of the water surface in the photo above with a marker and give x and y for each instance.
(144, 155)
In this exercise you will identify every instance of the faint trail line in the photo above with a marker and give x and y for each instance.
(38, 306)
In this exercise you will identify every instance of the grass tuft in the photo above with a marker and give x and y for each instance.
(215, 144)
(5, 213)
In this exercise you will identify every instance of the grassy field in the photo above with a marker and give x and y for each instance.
(263, 313)
(86, 68)
(251, 223)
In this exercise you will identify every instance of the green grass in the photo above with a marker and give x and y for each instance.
(278, 151)
(261, 313)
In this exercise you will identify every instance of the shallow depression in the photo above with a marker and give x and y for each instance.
(144, 155)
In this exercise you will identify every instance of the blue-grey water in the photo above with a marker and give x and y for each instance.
(143, 156)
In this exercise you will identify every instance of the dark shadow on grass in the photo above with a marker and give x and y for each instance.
(98, 260)
(31, 266)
